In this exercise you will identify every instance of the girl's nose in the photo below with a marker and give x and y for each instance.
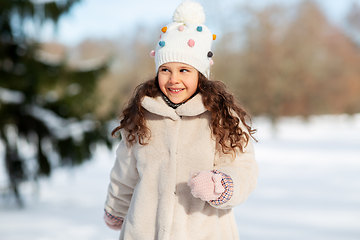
(174, 79)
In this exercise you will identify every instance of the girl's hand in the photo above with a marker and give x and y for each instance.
(206, 185)
(114, 224)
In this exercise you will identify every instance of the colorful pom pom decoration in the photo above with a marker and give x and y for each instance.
(199, 29)
(181, 28)
(162, 43)
(210, 54)
(152, 53)
(164, 29)
(214, 37)
(211, 62)
(191, 43)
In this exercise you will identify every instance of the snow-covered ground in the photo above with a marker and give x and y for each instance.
(309, 188)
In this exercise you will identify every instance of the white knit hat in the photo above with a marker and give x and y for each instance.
(186, 40)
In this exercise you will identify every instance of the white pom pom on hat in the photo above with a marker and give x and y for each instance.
(186, 39)
(190, 12)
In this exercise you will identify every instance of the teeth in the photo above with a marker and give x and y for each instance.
(175, 90)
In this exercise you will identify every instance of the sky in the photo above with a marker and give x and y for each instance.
(111, 18)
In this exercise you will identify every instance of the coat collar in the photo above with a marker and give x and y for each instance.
(157, 105)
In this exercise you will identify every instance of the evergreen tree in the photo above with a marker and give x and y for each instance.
(45, 109)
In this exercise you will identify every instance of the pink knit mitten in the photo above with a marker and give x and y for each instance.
(206, 185)
(113, 223)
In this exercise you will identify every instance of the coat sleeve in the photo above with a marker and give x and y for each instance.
(243, 171)
(123, 179)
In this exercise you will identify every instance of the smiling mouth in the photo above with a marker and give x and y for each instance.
(175, 90)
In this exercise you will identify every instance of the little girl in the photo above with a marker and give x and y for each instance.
(186, 156)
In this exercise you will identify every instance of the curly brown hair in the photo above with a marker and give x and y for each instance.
(221, 104)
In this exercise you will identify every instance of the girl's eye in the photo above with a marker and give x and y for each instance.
(184, 70)
(164, 70)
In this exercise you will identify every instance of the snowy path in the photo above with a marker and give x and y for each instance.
(309, 188)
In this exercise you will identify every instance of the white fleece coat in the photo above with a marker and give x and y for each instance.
(149, 182)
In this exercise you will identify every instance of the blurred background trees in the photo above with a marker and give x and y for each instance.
(294, 63)
(56, 100)
(46, 106)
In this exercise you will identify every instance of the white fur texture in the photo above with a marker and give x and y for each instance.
(190, 12)
(149, 182)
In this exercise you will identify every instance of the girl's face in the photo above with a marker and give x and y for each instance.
(178, 81)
